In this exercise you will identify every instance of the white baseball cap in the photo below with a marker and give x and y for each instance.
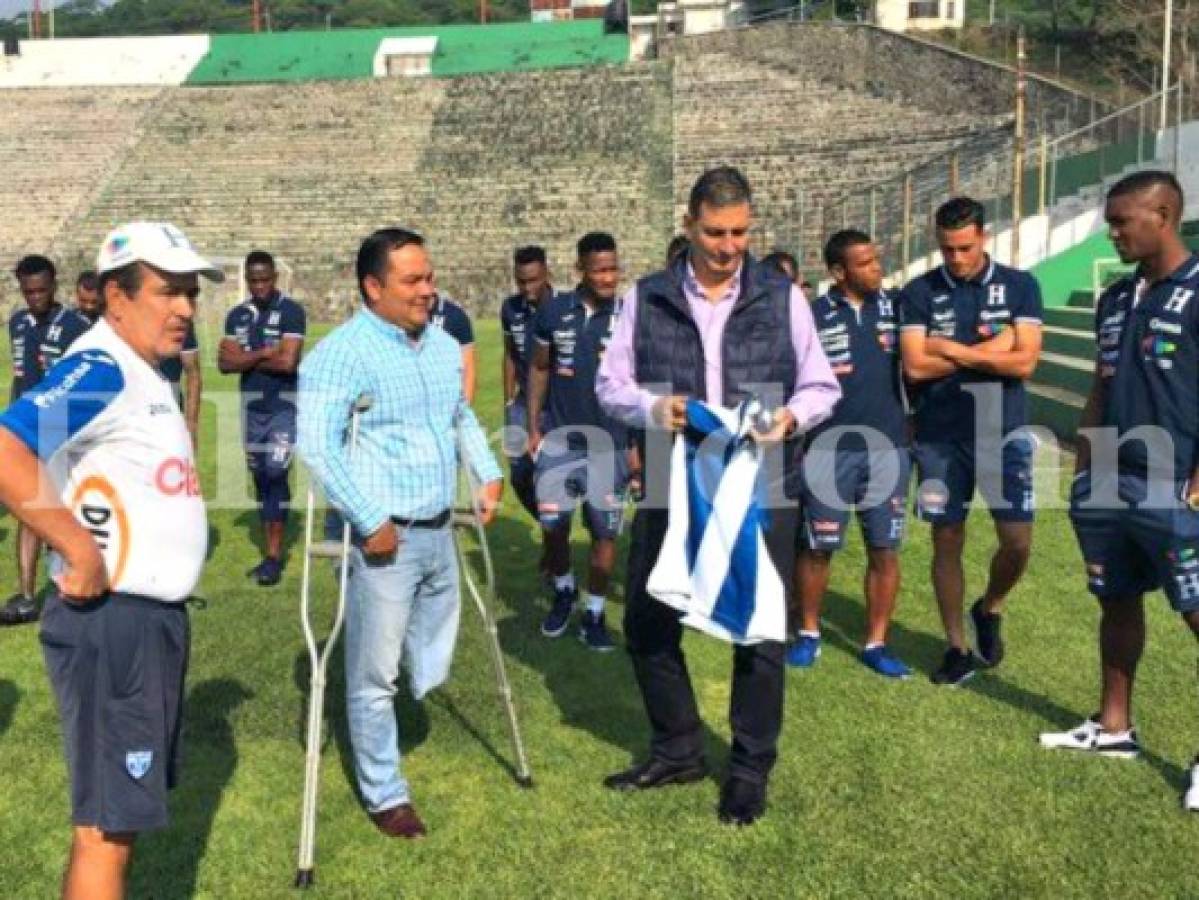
(158, 244)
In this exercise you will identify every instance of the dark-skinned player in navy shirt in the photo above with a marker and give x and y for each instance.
(970, 338)
(530, 271)
(571, 333)
(1134, 501)
(263, 340)
(38, 336)
(858, 458)
(88, 302)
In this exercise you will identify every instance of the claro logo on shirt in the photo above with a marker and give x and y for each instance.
(98, 507)
(176, 477)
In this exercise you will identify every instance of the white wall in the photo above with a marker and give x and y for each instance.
(82, 62)
(893, 15)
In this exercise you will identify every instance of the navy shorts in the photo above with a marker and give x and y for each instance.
(833, 483)
(599, 480)
(117, 667)
(949, 473)
(270, 440)
(1137, 546)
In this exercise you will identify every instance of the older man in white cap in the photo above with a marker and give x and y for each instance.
(98, 463)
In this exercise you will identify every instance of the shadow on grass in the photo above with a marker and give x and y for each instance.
(293, 533)
(10, 694)
(594, 692)
(412, 719)
(844, 622)
(166, 863)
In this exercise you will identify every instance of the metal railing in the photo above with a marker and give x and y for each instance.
(1064, 176)
(1089, 156)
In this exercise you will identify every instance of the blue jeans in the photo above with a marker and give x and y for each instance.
(403, 609)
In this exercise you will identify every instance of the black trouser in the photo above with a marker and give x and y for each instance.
(654, 633)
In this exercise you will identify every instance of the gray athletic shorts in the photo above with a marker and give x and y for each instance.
(117, 667)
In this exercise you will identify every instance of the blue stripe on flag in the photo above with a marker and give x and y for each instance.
(734, 608)
(704, 471)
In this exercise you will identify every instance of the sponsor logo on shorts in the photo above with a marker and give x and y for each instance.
(138, 762)
(1188, 585)
(1183, 559)
(825, 527)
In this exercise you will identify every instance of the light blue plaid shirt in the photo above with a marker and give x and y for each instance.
(406, 462)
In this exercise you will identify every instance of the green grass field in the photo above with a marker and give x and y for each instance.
(882, 789)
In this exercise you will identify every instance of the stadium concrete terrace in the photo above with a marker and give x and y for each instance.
(318, 155)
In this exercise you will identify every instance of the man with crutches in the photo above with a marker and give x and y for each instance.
(397, 492)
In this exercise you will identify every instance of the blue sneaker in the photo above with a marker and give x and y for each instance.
(594, 633)
(804, 652)
(555, 622)
(882, 661)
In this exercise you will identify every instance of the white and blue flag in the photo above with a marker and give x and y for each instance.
(714, 566)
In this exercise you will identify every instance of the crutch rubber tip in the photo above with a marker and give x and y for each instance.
(305, 878)
(525, 781)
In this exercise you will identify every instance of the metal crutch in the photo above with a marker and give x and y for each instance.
(470, 519)
(319, 658)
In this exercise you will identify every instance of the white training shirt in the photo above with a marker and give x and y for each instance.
(105, 423)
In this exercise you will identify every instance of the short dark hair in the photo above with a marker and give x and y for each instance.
(961, 212)
(34, 264)
(87, 279)
(779, 260)
(1143, 181)
(834, 249)
(259, 258)
(718, 188)
(372, 255)
(679, 244)
(128, 278)
(595, 242)
(525, 256)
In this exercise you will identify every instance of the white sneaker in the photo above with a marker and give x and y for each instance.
(1190, 800)
(1089, 737)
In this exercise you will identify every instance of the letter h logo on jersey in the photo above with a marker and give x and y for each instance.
(1178, 300)
(996, 294)
(885, 310)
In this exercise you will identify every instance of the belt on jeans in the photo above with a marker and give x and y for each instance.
(441, 520)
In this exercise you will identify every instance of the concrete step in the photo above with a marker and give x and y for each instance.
(1073, 342)
(1056, 409)
(1060, 371)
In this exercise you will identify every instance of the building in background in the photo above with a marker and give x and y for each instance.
(919, 15)
(566, 10)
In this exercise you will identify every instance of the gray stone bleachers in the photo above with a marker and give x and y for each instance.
(801, 142)
(55, 147)
(478, 164)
